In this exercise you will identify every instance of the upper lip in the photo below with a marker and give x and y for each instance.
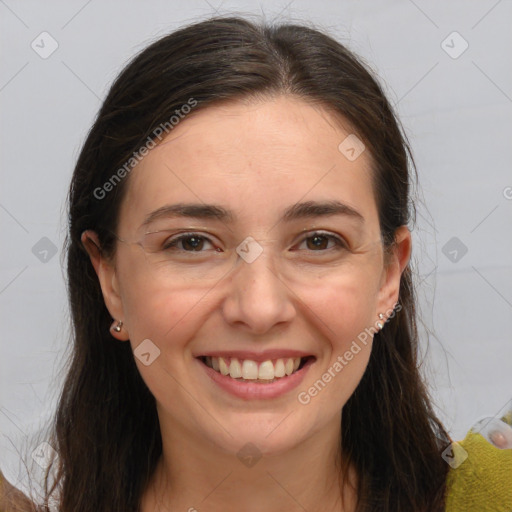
(259, 357)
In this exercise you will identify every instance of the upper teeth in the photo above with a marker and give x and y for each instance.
(251, 370)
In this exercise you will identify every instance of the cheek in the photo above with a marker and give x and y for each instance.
(154, 305)
(342, 308)
(343, 301)
(169, 318)
(166, 315)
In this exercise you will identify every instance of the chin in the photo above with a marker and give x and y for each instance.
(268, 434)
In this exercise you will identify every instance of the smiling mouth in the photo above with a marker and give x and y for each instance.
(248, 370)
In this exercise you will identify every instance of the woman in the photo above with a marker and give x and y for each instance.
(243, 306)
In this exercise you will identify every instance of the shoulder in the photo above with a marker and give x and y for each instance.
(12, 499)
(480, 478)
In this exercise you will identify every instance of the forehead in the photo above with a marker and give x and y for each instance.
(253, 155)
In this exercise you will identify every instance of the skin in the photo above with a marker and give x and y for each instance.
(12, 499)
(255, 158)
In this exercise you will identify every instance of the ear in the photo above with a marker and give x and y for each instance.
(395, 263)
(106, 272)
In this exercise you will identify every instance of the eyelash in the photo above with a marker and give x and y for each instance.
(173, 242)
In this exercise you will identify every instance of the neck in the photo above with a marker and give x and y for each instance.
(193, 474)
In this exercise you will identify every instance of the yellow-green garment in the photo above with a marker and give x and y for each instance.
(483, 482)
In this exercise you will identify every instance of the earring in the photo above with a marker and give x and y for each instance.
(117, 327)
(379, 324)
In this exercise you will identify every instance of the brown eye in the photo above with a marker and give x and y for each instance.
(188, 242)
(317, 242)
(322, 242)
(193, 243)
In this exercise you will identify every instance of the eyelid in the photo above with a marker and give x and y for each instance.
(341, 242)
(172, 233)
(178, 237)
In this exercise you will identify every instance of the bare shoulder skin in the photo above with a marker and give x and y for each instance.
(12, 499)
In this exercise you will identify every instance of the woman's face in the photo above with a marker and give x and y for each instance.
(306, 284)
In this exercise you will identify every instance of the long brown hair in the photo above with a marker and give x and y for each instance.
(106, 428)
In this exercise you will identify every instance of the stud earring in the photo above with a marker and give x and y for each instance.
(379, 324)
(117, 326)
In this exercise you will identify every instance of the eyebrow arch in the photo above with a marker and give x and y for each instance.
(308, 209)
(193, 210)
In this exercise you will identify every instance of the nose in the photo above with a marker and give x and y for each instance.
(257, 299)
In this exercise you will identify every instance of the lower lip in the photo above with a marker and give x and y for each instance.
(254, 390)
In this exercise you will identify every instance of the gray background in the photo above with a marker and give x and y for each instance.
(456, 108)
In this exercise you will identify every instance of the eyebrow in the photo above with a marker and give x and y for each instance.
(304, 210)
